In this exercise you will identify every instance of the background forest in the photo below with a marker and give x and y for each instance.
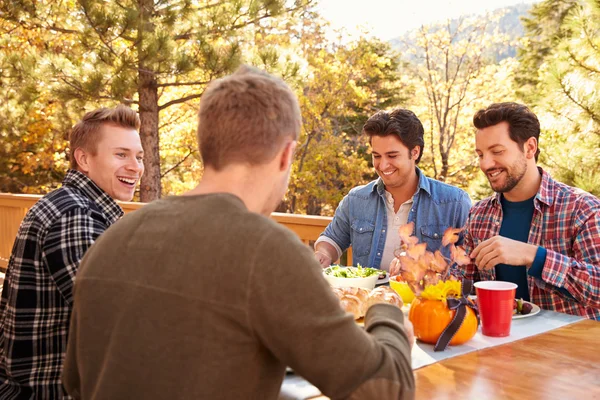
(59, 59)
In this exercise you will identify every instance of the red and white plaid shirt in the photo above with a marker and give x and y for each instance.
(566, 222)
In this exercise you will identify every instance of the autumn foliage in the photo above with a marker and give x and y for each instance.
(419, 267)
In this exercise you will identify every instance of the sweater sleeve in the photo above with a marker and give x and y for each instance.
(294, 313)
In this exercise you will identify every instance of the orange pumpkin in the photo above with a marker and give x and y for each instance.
(431, 317)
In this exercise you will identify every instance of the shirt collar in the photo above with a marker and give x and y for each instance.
(545, 194)
(423, 184)
(107, 204)
(547, 190)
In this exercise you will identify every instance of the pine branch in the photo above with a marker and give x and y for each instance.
(581, 63)
(55, 28)
(209, 6)
(190, 152)
(168, 84)
(584, 107)
(100, 36)
(178, 101)
(189, 35)
(33, 25)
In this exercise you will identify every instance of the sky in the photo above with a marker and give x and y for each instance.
(388, 19)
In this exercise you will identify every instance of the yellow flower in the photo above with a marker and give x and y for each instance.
(441, 290)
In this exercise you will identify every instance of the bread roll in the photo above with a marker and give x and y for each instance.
(353, 305)
(384, 294)
(352, 300)
(361, 293)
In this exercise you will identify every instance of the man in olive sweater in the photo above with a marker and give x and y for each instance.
(204, 296)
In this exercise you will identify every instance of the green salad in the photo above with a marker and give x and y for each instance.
(352, 272)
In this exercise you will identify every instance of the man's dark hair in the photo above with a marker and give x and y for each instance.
(522, 122)
(401, 122)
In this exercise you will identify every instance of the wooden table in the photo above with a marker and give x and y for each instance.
(560, 364)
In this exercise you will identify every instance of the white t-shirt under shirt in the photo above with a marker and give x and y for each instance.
(394, 221)
(392, 240)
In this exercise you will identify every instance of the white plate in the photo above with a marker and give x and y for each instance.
(534, 310)
(384, 280)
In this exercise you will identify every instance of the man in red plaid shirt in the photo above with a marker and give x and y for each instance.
(536, 232)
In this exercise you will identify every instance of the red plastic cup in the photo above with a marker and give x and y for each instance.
(495, 302)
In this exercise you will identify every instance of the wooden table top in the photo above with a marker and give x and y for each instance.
(560, 364)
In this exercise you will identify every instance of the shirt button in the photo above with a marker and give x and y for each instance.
(435, 235)
(383, 231)
(412, 210)
(378, 254)
(360, 229)
(497, 223)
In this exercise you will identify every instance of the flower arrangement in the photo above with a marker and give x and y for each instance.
(419, 267)
(441, 314)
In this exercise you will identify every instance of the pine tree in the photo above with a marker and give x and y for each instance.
(151, 54)
(544, 29)
(569, 99)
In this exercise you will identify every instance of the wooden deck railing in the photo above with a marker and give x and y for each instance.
(13, 208)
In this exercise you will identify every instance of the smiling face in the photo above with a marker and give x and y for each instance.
(117, 164)
(392, 160)
(501, 159)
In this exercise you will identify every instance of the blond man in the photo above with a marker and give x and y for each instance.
(37, 298)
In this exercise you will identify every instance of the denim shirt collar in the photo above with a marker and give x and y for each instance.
(424, 184)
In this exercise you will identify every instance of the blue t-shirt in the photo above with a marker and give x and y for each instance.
(516, 222)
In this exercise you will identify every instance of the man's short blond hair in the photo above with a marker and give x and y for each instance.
(86, 133)
(246, 117)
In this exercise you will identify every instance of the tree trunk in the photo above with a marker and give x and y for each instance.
(445, 168)
(282, 207)
(150, 188)
(314, 206)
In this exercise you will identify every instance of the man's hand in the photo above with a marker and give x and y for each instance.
(323, 259)
(325, 253)
(501, 250)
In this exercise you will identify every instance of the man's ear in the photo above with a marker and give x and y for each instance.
(414, 153)
(530, 147)
(83, 159)
(287, 155)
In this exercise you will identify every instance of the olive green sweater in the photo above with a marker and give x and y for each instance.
(197, 298)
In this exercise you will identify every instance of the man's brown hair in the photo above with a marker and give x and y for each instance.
(245, 118)
(522, 122)
(85, 134)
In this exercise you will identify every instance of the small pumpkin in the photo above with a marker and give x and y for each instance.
(431, 317)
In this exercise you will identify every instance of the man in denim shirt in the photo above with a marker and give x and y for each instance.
(368, 218)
